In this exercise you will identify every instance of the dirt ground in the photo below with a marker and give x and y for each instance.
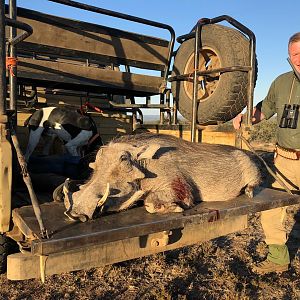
(217, 269)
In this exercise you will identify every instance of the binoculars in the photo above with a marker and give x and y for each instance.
(289, 117)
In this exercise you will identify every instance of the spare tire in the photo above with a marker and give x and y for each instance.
(220, 97)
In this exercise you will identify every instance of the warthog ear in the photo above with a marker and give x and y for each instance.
(92, 165)
(127, 167)
(147, 152)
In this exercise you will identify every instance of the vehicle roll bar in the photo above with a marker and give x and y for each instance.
(196, 33)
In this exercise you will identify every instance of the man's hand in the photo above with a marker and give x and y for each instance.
(237, 121)
(257, 116)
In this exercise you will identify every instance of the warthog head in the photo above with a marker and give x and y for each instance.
(115, 182)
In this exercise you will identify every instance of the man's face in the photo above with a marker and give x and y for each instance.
(294, 53)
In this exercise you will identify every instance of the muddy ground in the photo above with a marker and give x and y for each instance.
(217, 269)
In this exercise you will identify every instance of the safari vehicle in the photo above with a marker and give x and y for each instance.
(51, 59)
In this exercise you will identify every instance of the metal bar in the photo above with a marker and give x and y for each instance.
(182, 38)
(192, 34)
(5, 147)
(175, 110)
(2, 61)
(129, 18)
(147, 105)
(185, 77)
(168, 112)
(12, 53)
(18, 24)
(161, 111)
(195, 85)
(251, 76)
(13, 40)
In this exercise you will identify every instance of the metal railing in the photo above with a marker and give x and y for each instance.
(196, 34)
(129, 18)
(162, 106)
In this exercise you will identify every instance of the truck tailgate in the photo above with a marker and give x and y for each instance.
(66, 235)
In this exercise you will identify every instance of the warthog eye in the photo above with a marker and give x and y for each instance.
(114, 192)
(125, 156)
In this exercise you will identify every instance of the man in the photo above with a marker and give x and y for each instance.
(283, 99)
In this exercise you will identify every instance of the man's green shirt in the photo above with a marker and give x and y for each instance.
(277, 97)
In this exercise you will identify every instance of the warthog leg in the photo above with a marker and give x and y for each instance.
(249, 191)
(163, 207)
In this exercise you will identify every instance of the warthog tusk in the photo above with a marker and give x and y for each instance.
(76, 217)
(104, 197)
(134, 198)
(92, 165)
(67, 213)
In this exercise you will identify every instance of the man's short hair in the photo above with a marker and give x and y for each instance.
(294, 38)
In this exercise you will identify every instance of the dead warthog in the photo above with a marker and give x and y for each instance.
(167, 173)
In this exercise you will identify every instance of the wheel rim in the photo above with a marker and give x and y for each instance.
(208, 60)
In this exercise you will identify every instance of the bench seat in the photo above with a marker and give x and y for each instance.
(62, 75)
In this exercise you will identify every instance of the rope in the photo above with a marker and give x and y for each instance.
(11, 62)
(281, 182)
(89, 105)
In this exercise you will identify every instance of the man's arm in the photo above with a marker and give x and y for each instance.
(263, 110)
